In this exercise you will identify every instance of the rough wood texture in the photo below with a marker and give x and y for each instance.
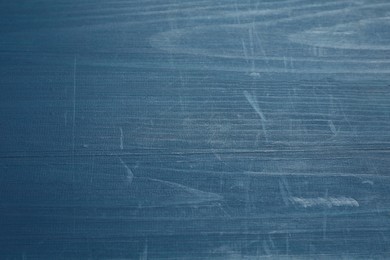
(185, 129)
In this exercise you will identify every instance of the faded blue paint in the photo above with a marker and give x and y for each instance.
(194, 129)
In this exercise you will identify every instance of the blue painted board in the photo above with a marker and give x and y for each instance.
(194, 129)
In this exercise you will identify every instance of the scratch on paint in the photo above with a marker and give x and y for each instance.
(205, 195)
(284, 192)
(332, 127)
(244, 50)
(129, 172)
(253, 102)
(73, 134)
(121, 138)
(144, 254)
(74, 103)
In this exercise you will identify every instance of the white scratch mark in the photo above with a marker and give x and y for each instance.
(73, 134)
(244, 50)
(204, 196)
(129, 172)
(325, 202)
(291, 63)
(266, 248)
(325, 220)
(121, 138)
(254, 74)
(223, 210)
(253, 102)
(271, 242)
(287, 244)
(74, 102)
(284, 192)
(368, 182)
(251, 47)
(332, 127)
(238, 13)
(316, 174)
(260, 45)
(285, 63)
(144, 255)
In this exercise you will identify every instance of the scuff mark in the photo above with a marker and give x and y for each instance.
(254, 74)
(325, 202)
(368, 182)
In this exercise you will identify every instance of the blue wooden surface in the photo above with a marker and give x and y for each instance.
(215, 129)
